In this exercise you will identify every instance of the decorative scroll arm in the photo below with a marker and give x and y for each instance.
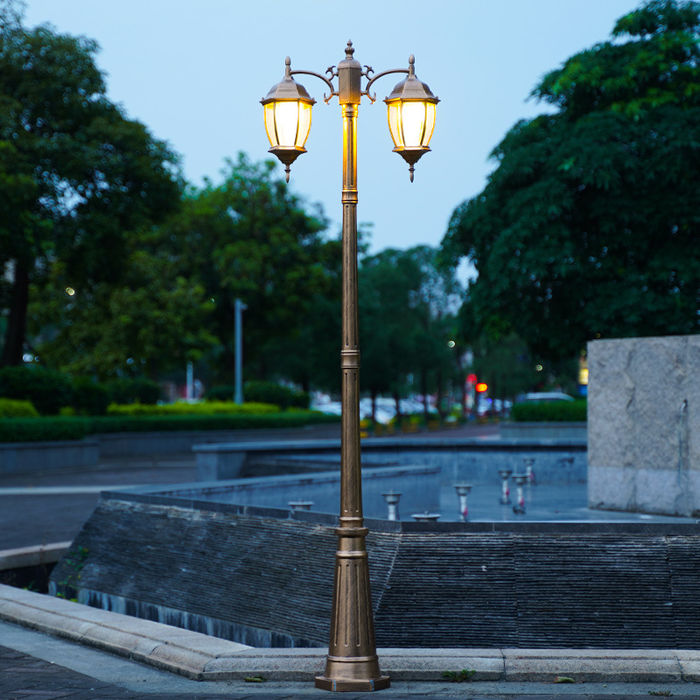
(366, 92)
(330, 70)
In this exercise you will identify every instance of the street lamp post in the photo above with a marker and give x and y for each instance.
(352, 663)
(239, 308)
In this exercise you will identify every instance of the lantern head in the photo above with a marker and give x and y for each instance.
(411, 111)
(287, 111)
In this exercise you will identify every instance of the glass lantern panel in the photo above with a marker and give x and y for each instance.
(269, 114)
(304, 123)
(429, 123)
(286, 123)
(413, 123)
(394, 112)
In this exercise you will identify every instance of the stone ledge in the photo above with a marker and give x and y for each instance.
(200, 657)
(23, 557)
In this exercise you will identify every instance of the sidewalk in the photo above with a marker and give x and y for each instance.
(205, 665)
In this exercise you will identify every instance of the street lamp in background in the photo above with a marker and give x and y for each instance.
(352, 663)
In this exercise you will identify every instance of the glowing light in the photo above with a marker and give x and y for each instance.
(70, 291)
(451, 343)
(481, 387)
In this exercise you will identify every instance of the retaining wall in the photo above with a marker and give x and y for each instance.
(264, 577)
(24, 457)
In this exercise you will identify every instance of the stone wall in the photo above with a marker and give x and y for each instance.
(644, 425)
(264, 577)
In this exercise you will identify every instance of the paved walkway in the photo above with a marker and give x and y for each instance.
(39, 667)
(121, 657)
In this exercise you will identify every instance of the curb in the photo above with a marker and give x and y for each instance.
(201, 657)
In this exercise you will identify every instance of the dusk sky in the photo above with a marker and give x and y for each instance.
(194, 73)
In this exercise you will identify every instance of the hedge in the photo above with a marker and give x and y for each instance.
(43, 429)
(181, 408)
(287, 419)
(550, 411)
(75, 428)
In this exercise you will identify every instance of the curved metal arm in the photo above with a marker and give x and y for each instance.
(325, 80)
(373, 98)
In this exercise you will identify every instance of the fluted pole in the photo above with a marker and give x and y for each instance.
(352, 663)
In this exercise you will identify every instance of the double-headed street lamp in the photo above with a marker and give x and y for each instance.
(352, 662)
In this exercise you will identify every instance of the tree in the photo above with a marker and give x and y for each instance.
(589, 224)
(152, 321)
(251, 238)
(407, 299)
(75, 174)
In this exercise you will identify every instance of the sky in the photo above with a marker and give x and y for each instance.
(194, 73)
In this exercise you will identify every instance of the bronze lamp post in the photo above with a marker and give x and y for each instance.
(352, 663)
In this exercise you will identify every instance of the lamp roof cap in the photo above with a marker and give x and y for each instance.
(410, 88)
(287, 89)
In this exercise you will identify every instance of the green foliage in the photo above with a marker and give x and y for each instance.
(181, 408)
(137, 390)
(250, 238)
(556, 411)
(221, 392)
(76, 428)
(462, 676)
(406, 301)
(271, 393)
(588, 226)
(505, 364)
(46, 389)
(288, 419)
(89, 398)
(12, 408)
(76, 177)
(43, 429)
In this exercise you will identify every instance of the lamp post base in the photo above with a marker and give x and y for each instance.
(340, 685)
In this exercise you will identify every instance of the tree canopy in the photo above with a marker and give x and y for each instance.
(76, 175)
(407, 301)
(588, 227)
(251, 238)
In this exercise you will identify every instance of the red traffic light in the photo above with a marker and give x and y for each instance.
(481, 387)
(471, 378)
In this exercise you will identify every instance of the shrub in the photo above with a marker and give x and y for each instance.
(301, 399)
(40, 429)
(223, 392)
(89, 398)
(555, 411)
(269, 392)
(46, 389)
(138, 390)
(136, 423)
(181, 408)
(13, 408)
(75, 428)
